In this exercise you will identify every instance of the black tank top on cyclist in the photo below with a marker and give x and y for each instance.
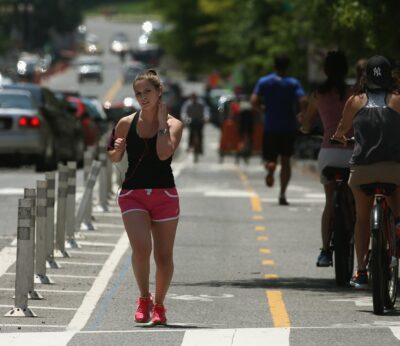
(145, 169)
(376, 131)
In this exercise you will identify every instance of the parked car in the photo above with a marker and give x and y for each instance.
(89, 68)
(82, 113)
(25, 134)
(131, 69)
(117, 109)
(120, 43)
(66, 133)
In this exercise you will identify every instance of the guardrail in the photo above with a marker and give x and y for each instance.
(43, 235)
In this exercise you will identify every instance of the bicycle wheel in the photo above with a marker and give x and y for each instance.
(392, 264)
(378, 261)
(343, 240)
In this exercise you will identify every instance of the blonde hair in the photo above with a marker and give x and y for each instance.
(149, 75)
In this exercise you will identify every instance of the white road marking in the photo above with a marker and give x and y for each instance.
(89, 252)
(81, 263)
(93, 243)
(36, 339)
(7, 258)
(396, 332)
(12, 191)
(237, 337)
(41, 307)
(49, 291)
(65, 276)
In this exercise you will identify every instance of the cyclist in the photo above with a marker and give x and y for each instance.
(374, 113)
(195, 113)
(328, 101)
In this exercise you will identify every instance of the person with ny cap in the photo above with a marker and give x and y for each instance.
(374, 113)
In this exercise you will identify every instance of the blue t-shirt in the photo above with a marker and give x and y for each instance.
(280, 96)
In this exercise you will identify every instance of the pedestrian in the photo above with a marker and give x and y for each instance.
(195, 113)
(148, 199)
(328, 101)
(374, 113)
(279, 97)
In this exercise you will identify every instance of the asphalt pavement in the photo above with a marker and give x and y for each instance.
(245, 272)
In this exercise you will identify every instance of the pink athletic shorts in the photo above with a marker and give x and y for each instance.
(161, 204)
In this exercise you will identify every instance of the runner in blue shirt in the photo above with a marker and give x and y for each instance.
(279, 96)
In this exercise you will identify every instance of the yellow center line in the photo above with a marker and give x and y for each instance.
(268, 262)
(258, 217)
(270, 276)
(113, 91)
(264, 251)
(260, 228)
(277, 308)
(262, 238)
(256, 203)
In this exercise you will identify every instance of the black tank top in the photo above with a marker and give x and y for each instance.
(145, 169)
(376, 132)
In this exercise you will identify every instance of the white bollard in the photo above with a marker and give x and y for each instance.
(51, 193)
(41, 234)
(94, 173)
(71, 242)
(32, 293)
(61, 212)
(87, 224)
(23, 278)
(103, 181)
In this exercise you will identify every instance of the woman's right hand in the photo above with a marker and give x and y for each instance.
(120, 144)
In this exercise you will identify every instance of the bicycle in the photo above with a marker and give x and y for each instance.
(341, 233)
(382, 260)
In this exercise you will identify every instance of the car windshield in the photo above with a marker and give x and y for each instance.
(16, 101)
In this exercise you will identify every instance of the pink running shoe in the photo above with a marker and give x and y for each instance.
(144, 306)
(159, 315)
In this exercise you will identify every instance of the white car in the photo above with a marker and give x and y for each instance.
(89, 68)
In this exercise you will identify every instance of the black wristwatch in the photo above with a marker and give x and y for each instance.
(162, 132)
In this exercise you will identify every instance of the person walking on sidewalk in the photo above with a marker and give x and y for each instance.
(279, 96)
(195, 113)
(148, 199)
(328, 101)
(374, 113)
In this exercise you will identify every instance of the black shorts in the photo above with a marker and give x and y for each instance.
(278, 144)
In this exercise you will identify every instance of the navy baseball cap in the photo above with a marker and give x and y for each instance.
(379, 72)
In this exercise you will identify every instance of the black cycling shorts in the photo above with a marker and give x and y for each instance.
(278, 144)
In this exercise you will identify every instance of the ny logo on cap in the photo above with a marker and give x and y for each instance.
(377, 72)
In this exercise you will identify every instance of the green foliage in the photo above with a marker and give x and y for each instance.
(209, 34)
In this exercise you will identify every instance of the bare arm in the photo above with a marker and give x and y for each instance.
(256, 103)
(307, 116)
(120, 133)
(167, 141)
(352, 106)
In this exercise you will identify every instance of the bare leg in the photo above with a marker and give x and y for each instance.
(361, 230)
(164, 237)
(394, 202)
(286, 173)
(327, 215)
(137, 225)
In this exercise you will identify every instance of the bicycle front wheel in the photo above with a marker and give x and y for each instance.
(378, 261)
(392, 265)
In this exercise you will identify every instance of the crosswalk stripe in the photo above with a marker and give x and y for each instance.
(237, 337)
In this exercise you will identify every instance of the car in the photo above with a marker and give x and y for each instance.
(120, 43)
(66, 133)
(89, 68)
(82, 113)
(130, 70)
(115, 110)
(97, 113)
(92, 45)
(25, 134)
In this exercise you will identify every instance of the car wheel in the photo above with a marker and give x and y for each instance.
(49, 158)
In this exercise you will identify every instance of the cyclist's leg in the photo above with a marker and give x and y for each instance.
(361, 230)
(329, 189)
